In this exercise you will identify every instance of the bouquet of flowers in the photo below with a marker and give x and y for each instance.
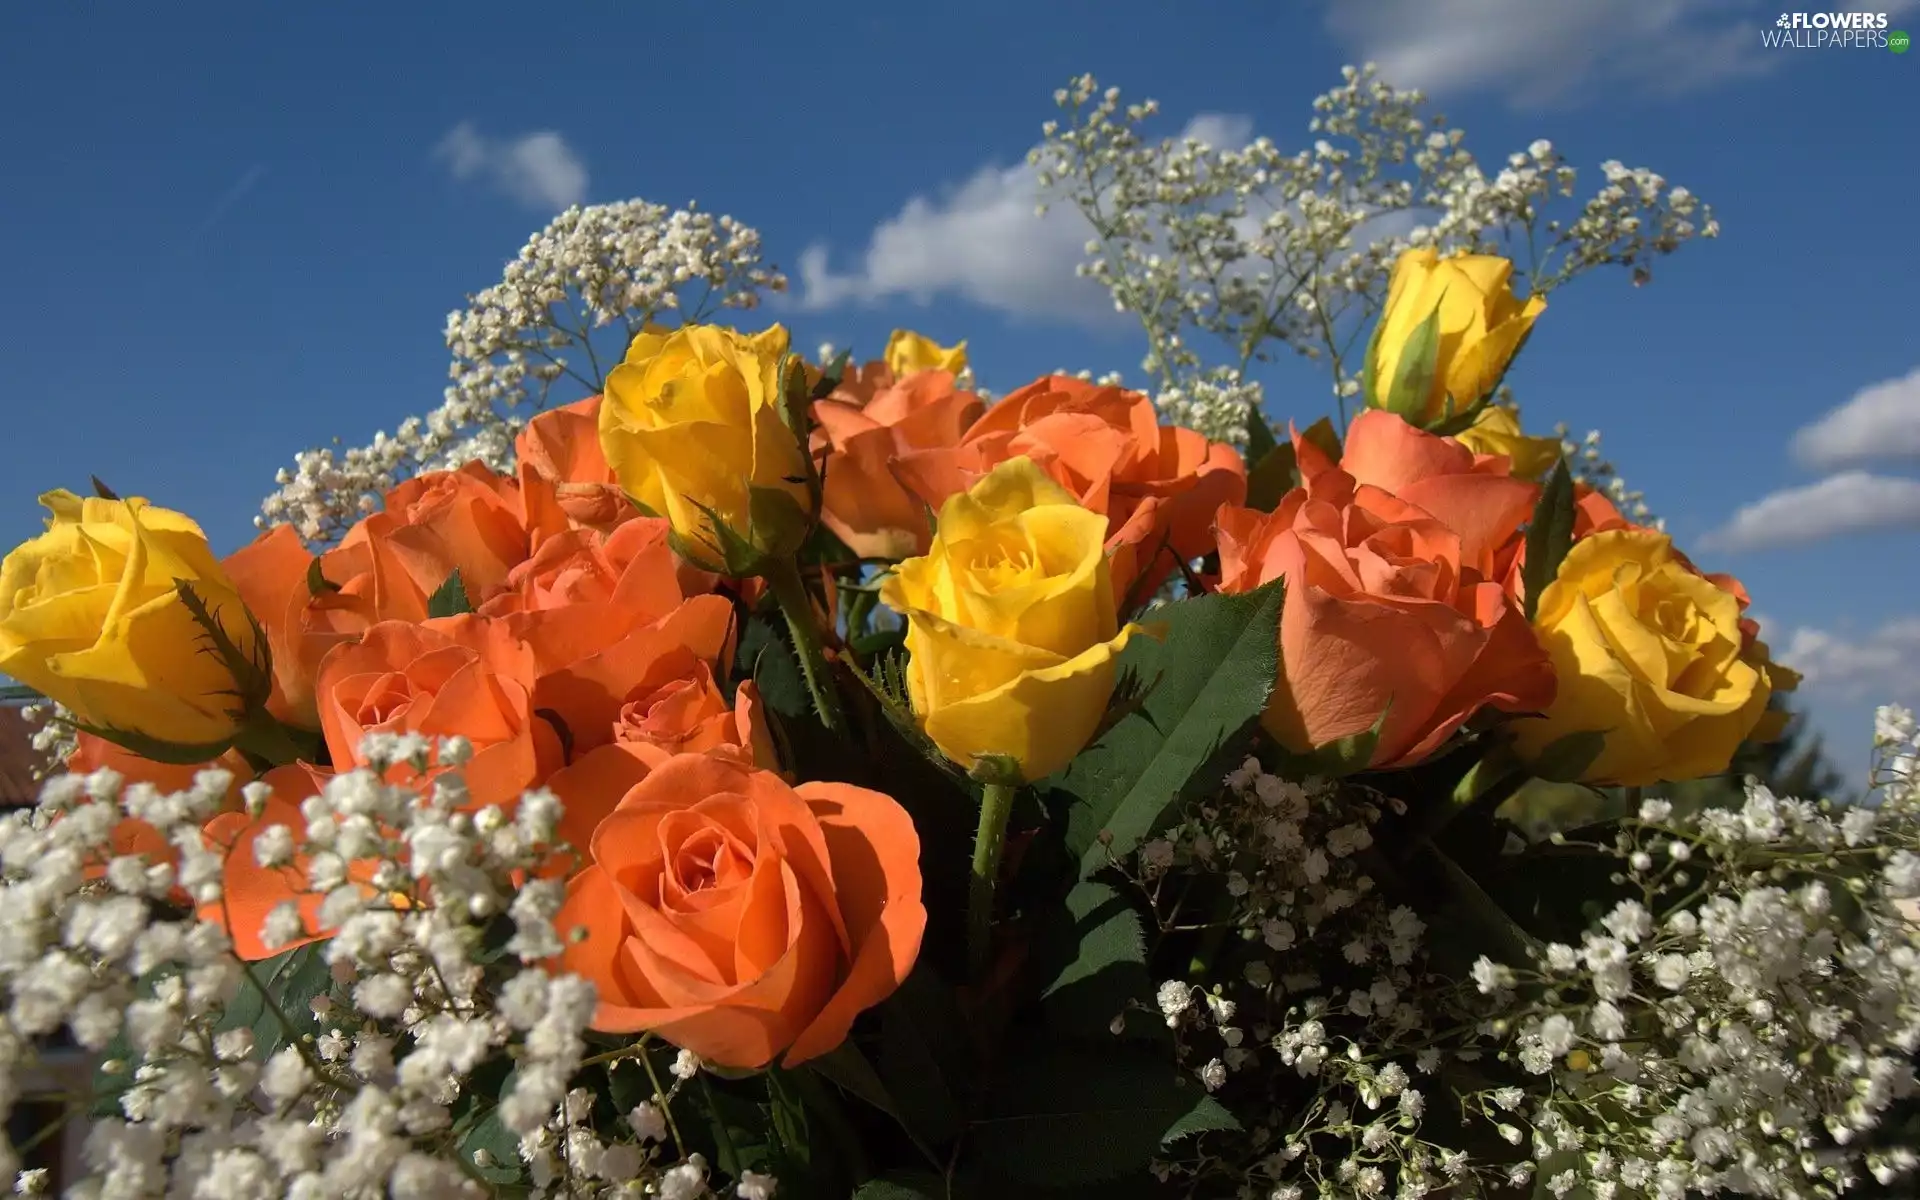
(775, 776)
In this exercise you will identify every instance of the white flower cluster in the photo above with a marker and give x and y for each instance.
(617, 266)
(1741, 1019)
(1314, 1002)
(417, 1052)
(54, 740)
(1252, 246)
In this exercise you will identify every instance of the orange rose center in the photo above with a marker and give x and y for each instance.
(387, 700)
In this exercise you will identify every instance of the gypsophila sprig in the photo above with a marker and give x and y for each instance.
(606, 266)
(1249, 248)
(373, 1088)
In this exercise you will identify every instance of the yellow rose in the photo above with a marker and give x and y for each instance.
(1651, 654)
(1497, 431)
(908, 352)
(90, 617)
(1480, 326)
(692, 424)
(1012, 629)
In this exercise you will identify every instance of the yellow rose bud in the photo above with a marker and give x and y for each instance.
(1012, 629)
(90, 616)
(1651, 654)
(1497, 431)
(1480, 326)
(692, 424)
(908, 352)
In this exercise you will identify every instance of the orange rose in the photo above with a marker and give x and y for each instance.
(270, 573)
(591, 785)
(562, 447)
(132, 836)
(742, 918)
(630, 567)
(864, 425)
(472, 520)
(249, 891)
(1157, 485)
(463, 675)
(610, 619)
(1389, 605)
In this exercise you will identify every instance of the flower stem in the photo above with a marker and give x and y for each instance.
(783, 578)
(996, 805)
(267, 739)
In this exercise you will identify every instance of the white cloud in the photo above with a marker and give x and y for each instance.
(1537, 52)
(983, 242)
(1881, 422)
(1850, 502)
(538, 170)
(1882, 665)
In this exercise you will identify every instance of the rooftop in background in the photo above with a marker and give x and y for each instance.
(17, 759)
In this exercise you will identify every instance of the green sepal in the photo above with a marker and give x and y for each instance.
(996, 769)
(102, 490)
(1453, 424)
(1413, 374)
(1566, 758)
(317, 582)
(1347, 755)
(450, 598)
(777, 523)
(252, 673)
(1272, 477)
(1373, 353)
(175, 754)
(1549, 536)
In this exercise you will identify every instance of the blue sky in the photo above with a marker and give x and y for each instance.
(229, 236)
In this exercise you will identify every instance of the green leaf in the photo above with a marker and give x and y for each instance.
(1215, 667)
(831, 376)
(1323, 435)
(789, 1117)
(766, 657)
(1493, 927)
(1208, 1116)
(923, 1057)
(450, 598)
(915, 1185)
(1092, 957)
(102, 490)
(1413, 374)
(1071, 1116)
(317, 582)
(292, 979)
(1272, 477)
(501, 1144)
(1260, 439)
(20, 693)
(1550, 535)
(1566, 758)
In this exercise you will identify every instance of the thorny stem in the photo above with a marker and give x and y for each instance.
(996, 806)
(783, 579)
